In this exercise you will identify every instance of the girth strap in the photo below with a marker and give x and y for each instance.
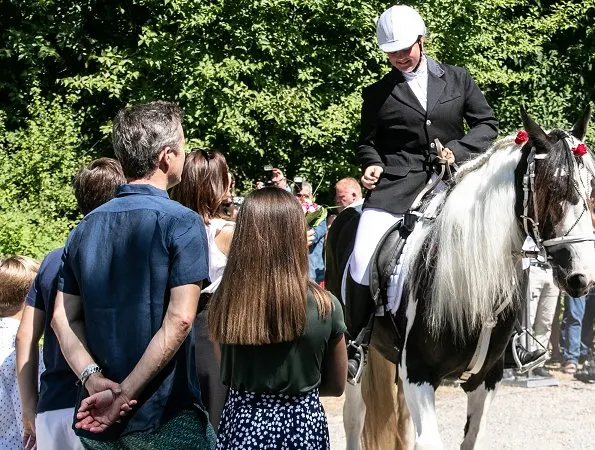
(483, 344)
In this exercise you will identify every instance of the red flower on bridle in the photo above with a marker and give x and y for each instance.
(521, 137)
(580, 150)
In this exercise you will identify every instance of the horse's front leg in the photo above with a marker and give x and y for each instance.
(419, 396)
(478, 403)
(418, 389)
(354, 413)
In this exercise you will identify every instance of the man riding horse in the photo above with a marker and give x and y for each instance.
(405, 116)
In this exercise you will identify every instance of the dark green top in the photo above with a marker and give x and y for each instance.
(285, 368)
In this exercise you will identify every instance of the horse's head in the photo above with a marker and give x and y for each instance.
(560, 203)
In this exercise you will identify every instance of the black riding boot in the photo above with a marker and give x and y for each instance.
(525, 356)
(527, 359)
(359, 310)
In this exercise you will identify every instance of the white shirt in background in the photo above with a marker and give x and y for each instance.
(11, 422)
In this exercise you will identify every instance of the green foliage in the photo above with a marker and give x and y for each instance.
(37, 164)
(273, 81)
(266, 82)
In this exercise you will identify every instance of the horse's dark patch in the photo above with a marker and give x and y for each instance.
(554, 184)
(537, 137)
(467, 425)
(494, 376)
(579, 130)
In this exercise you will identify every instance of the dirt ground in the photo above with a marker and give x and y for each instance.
(554, 417)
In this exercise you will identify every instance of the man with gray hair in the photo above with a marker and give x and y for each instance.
(127, 296)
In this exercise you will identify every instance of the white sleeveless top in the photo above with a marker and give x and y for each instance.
(217, 259)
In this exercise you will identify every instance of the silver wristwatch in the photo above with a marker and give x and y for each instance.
(89, 370)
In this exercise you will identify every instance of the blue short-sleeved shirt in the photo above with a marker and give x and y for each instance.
(123, 259)
(57, 383)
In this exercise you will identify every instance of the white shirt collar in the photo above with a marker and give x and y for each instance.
(421, 72)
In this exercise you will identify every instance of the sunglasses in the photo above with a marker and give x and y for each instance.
(207, 154)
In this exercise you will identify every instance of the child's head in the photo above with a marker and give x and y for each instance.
(96, 183)
(16, 276)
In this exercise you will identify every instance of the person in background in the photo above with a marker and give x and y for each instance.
(231, 209)
(206, 189)
(278, 179)
(574, 311)
(316, 252)
(281, 335)
(347, 192)
(16, 275)
(587, 356)
(127, 296)
(577, 330)
(94, 185)
(543, 300)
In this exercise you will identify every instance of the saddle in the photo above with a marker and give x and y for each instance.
(386, 256)
(390, 247)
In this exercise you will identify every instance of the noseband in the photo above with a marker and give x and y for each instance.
(531, 222)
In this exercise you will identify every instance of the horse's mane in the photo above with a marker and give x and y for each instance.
(468, 247)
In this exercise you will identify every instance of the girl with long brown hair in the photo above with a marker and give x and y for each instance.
(205, 188)
(281, 335)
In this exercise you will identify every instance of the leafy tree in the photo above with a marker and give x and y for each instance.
(37, 165)
(277, 81)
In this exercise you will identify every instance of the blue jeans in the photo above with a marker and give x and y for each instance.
(587, 330)
(574, 310)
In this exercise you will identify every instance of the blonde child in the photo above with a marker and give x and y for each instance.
(16, 275)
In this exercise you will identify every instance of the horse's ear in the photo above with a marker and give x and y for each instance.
(579, 129)
(535, 132)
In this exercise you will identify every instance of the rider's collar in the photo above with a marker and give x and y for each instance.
(420, 72)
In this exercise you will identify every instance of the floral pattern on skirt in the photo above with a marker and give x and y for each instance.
(273, 421)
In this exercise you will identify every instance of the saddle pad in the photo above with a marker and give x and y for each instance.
(394, 291)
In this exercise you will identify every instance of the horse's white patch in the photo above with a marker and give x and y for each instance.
(478, 403)
(419, 397)
(420, 401)
(354, 413)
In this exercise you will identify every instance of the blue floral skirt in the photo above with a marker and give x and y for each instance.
(273, 421)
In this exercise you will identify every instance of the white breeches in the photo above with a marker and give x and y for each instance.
(372, 225)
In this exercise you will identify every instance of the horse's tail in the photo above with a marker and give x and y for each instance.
(386, 425)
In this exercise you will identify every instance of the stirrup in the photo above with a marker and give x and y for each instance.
(361, 352)
(527, 367)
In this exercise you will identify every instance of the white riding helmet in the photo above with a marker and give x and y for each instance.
(399, 27)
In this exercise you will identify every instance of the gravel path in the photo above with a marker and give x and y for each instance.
(560, 417)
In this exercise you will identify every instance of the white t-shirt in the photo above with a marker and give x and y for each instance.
(11, 422)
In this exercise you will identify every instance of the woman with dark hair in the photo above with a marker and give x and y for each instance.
(281, 335)
(205, 188)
